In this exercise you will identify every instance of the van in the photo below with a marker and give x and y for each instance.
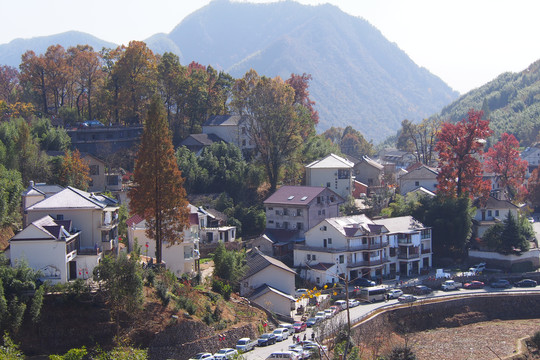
(288, 355)
(342, 304)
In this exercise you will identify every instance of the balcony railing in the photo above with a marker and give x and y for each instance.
(426, 251)
(408, 256)
(363, 247)
(369, 263)
(108, 225)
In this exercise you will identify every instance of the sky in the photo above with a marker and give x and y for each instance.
(464, 42)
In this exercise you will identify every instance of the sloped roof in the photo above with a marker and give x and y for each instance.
(331, 161)
(42, 189)
(224, 120)
(50, 229)
(72, 198)
(372, 162)
(201, 140)
(350, 225)
(401, 224)
(298, 195)
(264, 289)
(493, 203)
(134, 220)
(257, 261)
(422, 191)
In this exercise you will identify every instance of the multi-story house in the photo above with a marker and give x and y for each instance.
(299, 208)
(369, 172)
(53, 247)
(490, 212)
(233, 129)
(418, 176)
(181, 257)
(96, 216)
(355, 246)
(333, 172)
(532, 156)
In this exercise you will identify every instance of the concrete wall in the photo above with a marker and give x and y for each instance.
(40, 254)
(273, 276)
(505, 261)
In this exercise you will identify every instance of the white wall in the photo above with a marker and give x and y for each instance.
(275, 303)
(275, 277)
(321, 177)
(41, 253)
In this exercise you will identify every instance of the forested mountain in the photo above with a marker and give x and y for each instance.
(359, 77)
(10, 54)
(511, 102)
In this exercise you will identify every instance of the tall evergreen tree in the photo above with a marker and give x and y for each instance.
(159, 195)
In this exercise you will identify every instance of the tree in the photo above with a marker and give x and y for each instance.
(533, 188)
(9, 83)
(10, 350)
(122, 282)
(229, 265)
(11, 187)
(402, 353)
(300, 84)
(460, 146)
(504, 160)
(419, 139)
(158, 195)
(353, 143)
(276, 124)
(510, 237)
(74, 171)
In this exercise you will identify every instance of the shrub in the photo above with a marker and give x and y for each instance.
(402, 353)
(163, 292)
(536, 339)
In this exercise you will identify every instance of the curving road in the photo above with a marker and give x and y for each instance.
(360, 312)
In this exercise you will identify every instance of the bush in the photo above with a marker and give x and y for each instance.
(163, 292)
(222, 288)
(402, 353)
(536, 339)
(150, 277)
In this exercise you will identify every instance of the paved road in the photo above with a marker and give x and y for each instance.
(261, 353)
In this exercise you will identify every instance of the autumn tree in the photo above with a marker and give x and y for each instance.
(74, 171)
(353, 143)
(276, 125)
(33, 77)
(300, 84)
(9, 83)
(419, 139)
(504, 160)
(460, 147)
(158, 195)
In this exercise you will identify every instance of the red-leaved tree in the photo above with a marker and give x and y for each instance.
(460, 147)
(503, 159)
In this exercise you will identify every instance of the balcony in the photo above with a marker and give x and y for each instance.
(408, 256)
(108, 224)
(363, 247)
(426, 251)
(369, 263)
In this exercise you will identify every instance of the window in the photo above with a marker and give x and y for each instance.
(417, 183)
(489, 213)
(270, 208)
(323, 211)
(329, 240)
(392, 252)
(271, 221)
(285, 224)
(285, 211)
(244, 142)
(318, 199)
(243, 130)
(298, 212)
(94, 170)
(300, 226)
(309, 257)
(60, 217)
(318, 280)
(496, 212)
(319, 212)
(343, 174)
(327, 184)
(341, 259)
(313, 257)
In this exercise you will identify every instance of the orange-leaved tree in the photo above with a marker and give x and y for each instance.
(460, 147)
(74, 171)
(159, 195)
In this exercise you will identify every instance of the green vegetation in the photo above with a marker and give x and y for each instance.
(509, 237)
(9, 350)
(229, 266)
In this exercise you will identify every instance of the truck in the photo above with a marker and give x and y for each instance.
(450, 285)
(245, 345)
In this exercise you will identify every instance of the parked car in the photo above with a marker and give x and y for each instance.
(501, 283)
(245, 344)
(394, 293)
(299, 326)
(287, 326)
(203, 356)
(363, 282)
(281, 334)
(299, 292)
(478, 268)
(312, 321)
(474, 285)
(341, 304)
(526, 283)
(336, 309)
(353, 303)
(320, 315)
(91, 123)
(328, 313)
(303, 354)
(406, 298)
(287, 355)
(313, 346)
(530, 219)
(450, 285)
(226, 353)
(421, 290)
(266, 339)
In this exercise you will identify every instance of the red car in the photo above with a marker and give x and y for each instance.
(474, 285)
(299, 326)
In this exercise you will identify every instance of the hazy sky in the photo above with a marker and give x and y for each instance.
(465, 42)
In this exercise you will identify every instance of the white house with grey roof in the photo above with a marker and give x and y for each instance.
(233, 129)
(333, 172)
(420, 176)
(356, 246)
(269, 283)
(52, 247)
(94, 215)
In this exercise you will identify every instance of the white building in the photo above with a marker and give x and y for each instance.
(52, 247)
(180, 258)
(233, 129)
(422, 176)
(355, 246)
(333, 172)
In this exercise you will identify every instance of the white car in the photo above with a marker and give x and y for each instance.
(281, 334)
(328, 313)
(203, 356)
(321, 315)
(303, 354)
(299, 292)
(286, 326)
(353, 303)
(394, 293)
(225, 354)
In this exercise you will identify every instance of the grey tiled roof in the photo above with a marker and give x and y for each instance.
(224, 120)
(256, 261)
